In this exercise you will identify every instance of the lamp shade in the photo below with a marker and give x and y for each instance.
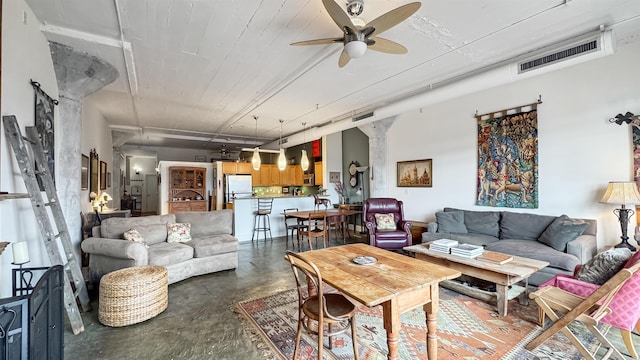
(282, 160)
(255, 160)
(621, 192)
(304, 161)
(355, 49)
(106, 197)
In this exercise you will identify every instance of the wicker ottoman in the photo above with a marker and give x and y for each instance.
(132, 295)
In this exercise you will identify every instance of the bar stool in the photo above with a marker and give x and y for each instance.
(263, 212)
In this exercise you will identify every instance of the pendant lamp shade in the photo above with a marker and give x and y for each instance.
(282, 160)
(255, 160)
(304, 162)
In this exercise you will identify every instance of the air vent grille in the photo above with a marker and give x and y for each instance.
(362, 116)
(283, 141)
(548, 59)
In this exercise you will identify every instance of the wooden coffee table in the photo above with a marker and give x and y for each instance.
(503, 275)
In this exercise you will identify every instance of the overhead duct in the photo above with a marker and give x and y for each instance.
(500, 75)
(362, 116)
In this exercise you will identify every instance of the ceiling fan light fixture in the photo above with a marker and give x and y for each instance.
(355, 49)
(355, 7)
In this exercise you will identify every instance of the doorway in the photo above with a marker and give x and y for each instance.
(150, 200)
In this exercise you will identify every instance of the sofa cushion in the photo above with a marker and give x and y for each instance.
(135, 236)
(205, 223)
(537, 251)
(604, 265)
(178, 232)
(562, 230)
(153, 234)
(451, 222)
(385, 222)
(213, 245)
(480, 222)
(165, 254)
(114, 228)
(523, 226)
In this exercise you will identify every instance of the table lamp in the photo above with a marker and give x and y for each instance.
(104, 199)
(621, 192)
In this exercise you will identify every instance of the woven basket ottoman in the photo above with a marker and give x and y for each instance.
(132, 295)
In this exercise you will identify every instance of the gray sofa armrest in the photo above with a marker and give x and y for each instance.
(432, 227)
(118, 249)
(584, 247)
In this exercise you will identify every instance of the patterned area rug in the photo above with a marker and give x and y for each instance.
(467, 329)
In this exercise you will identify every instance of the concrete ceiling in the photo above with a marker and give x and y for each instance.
(194, 73)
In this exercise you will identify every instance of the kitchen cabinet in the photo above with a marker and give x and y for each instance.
(274, 178)
(318, 172)
(187, 189)
(229, 167)
(256, 179)
(244, 168)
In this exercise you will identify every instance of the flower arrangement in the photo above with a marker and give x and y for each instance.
(339, 188)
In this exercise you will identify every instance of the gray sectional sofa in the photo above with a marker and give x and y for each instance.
(562, 241)
(211, 248)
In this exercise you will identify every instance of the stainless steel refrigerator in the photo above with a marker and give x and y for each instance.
(238, 186)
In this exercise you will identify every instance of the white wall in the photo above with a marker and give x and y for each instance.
(579, 150)
(25, 56)
(96, 134)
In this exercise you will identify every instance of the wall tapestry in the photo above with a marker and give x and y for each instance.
(44, 124)
(508, 158)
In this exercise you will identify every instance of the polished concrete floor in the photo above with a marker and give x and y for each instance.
(199, 323)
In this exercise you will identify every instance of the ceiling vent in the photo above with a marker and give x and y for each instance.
(362, 116)
(572, 51)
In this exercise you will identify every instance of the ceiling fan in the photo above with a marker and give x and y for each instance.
(357, 38)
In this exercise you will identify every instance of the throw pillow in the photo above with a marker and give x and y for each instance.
(451, 222)
(604, 265)
(135, 236)
(562, 230)
(178, 232)
(385, 222)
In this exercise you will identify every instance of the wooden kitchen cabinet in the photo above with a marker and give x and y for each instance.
(274, 178)
(229, 167)
(256, 179)
(187, 189)
(244, 168)
(317, 171)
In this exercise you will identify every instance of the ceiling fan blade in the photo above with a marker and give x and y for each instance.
(344, 58)
(392, 18)
(387, 46)
(318, 41)
(339, 16)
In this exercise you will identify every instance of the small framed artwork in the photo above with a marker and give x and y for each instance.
(415, 173)
(84, 178)
(103, 175)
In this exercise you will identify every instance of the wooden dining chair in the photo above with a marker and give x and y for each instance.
(317, 227)
(293, 225)
(563, 308)
(317, 309)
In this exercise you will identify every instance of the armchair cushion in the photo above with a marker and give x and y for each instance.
(603, 266)
(451, 222)
(385, 222)
(562, 230)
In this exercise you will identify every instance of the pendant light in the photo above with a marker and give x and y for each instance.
(304, 161)
(282, 160)
(255, 160)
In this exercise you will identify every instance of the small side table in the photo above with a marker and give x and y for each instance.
(417, 228)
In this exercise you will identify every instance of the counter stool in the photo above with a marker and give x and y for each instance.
(263, 212)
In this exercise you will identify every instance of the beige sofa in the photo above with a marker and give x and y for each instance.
(211, 249)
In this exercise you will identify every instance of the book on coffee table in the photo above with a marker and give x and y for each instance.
(496, 257)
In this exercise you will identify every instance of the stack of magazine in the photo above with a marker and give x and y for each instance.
(467, 250)
(443, 245)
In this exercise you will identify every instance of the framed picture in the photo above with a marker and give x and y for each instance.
(84, 179)
(108, 179)
(103, 175)
(416, 173)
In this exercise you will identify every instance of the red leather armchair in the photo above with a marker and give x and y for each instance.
(392, 239)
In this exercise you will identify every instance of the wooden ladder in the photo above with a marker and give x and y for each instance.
(54, 242)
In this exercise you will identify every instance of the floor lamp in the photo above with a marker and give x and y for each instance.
(619, 192)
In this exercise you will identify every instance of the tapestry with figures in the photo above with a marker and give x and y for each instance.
(508, 160)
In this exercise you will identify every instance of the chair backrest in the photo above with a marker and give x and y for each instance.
(264, 205)
(307, 275)
(385, 206)
(625, 306)
(287, 217)
(607, 294)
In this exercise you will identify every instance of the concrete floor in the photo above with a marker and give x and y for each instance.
(199, 323)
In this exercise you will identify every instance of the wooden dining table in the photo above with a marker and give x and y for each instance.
(333, 216)
(399, 283)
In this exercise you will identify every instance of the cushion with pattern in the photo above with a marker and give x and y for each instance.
(385, 221)
(178, 232)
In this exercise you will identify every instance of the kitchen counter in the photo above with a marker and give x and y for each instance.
(244, 208)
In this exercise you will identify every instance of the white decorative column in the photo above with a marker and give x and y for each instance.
(377, 133)
(78, 75)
